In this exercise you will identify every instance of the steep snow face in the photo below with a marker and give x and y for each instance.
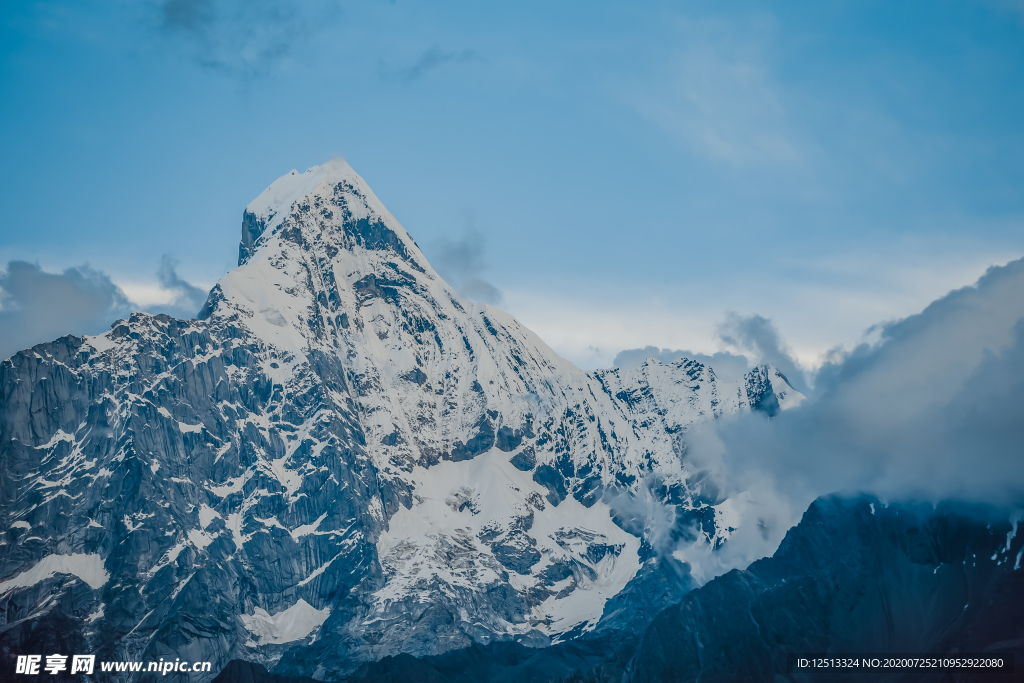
(88, 568)
(342, 459)
(484, 522)
(294, 623)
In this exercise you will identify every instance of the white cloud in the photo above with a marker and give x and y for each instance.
(931, 412)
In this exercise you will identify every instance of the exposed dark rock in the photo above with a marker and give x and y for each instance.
(525, 460)
(852, 577)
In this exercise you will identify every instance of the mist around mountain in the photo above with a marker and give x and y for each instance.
(344, 469)
(38, 306)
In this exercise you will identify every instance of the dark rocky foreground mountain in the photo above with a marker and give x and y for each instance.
(853, 577)
(341, 460)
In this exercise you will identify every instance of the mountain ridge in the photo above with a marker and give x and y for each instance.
(340, 459)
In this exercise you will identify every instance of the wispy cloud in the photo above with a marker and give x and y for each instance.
(187, 299)
(721, 99)
(243, 37)
(432, 59)
(757, 335)
(461, 263)
(194, 16)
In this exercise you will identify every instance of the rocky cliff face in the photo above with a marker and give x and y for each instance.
(340, 460)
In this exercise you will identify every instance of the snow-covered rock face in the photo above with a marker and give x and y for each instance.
(342, 459)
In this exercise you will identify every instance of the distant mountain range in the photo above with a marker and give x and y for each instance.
(344, 470)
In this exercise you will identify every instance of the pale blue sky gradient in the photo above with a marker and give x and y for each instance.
(634, 173)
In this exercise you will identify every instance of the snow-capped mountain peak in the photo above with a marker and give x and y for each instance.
(325, 190)
(342, 459)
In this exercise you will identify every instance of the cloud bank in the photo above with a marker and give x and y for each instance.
(37, 306)
(932, 411)
(40, 306)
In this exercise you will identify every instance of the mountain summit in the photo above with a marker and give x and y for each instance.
(341, 459)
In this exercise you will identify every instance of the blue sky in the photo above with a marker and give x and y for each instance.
(624, 176)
